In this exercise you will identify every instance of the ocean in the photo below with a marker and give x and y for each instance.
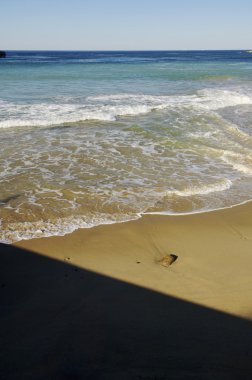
(90, 138)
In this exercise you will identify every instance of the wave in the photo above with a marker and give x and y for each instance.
(223, 185)
(29, 230)
(211, 99)
(236, 160)
(199, 211)
(110, 107)
(214, 99)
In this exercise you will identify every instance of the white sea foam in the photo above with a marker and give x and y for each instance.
(202, 190)
(60, 227)
(109, 107)
(238, 161)
(214, 99)
(211, 99)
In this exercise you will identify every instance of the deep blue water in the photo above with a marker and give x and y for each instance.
(126, 56)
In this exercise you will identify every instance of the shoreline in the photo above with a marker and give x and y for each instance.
(137, 217)
(164, 213)
(214, 252)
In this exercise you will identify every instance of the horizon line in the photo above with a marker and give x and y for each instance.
(123, 50)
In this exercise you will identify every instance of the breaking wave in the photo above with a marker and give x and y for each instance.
(111, 107)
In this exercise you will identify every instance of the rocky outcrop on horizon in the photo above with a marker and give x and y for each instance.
(2, 54)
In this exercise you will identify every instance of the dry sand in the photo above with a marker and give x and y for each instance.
(111, 303)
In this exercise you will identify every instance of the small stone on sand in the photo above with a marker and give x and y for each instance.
(167, 260)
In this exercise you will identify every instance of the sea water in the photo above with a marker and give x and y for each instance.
(89, 138)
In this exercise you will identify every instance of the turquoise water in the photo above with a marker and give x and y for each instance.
(88, 138)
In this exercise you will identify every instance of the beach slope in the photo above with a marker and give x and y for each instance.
(214, 255)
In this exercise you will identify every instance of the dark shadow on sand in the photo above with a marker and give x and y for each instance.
(59, 322)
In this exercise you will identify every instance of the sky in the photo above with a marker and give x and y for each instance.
(125, 24)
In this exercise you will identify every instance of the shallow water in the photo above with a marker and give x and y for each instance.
(99, 137)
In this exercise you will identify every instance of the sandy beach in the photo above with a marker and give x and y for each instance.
(214, 252)
(104, 303)
(125, 191)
